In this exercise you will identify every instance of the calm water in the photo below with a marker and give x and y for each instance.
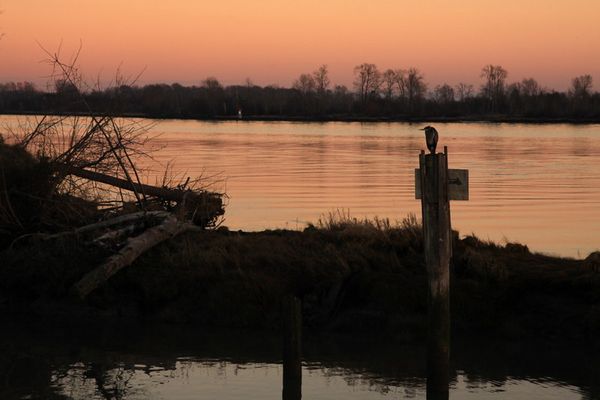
(116, 362)
(535, 184)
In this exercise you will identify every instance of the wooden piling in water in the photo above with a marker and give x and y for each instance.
(292, 348)
(438, 248)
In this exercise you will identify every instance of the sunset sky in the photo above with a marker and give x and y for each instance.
(273, 41)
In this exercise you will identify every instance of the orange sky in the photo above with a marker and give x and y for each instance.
(273, 41)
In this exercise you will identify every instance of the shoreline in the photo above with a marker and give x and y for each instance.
(354, 278)
(491, 119)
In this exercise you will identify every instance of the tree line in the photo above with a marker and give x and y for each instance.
(391, 93)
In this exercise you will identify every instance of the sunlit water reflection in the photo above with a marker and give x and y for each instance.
(536, 184)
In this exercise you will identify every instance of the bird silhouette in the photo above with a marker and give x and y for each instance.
(431, 138)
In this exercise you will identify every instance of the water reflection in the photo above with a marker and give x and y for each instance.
(532, 184)
(292, 348)
(438, 372)
(152, 362)
(537, 184)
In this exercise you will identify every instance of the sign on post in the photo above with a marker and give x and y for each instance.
(458, 184)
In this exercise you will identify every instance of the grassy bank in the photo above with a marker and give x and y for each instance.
(352, 276)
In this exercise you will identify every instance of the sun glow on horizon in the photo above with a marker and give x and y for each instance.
(272, 42)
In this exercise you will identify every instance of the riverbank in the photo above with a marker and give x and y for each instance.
(353, 276)
(491, 118)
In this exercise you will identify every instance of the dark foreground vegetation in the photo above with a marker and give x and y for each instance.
(352, 276)
(75, 246)
(392, 94)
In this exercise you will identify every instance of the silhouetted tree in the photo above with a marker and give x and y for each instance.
(391, 93)
(367, 81)
(493, 87)
(342, 100)
(322, 82)
(415, 88)
(580, 93)
(321, 78)
(581, 86)
(63, 87)
(530, 87)
(213, 97)
(388, 79)
(464, 91)
(443, 94)
(305, 84)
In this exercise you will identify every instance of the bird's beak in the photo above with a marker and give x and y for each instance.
(422, 129)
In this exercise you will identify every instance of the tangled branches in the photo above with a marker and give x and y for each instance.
(59, 172)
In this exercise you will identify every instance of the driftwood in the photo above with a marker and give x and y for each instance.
(91, 228)
(122, 219)
(115, 235)
(202, 207)
(135, 247)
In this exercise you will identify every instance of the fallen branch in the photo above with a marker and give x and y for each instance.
(133, 217)
(162, 192)
(115, 235)
(110, 222)
(135, 247)
(201, 206)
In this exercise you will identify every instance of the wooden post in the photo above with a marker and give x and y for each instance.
(437, 243)
(292, 348)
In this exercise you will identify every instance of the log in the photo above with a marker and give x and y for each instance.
(121, 219)
(114, 235)
(202, 207)
(135, 247)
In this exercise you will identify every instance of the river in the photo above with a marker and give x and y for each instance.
(537, 184)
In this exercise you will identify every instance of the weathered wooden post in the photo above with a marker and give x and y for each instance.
(435, 185)
(292, 348)
(435, 206)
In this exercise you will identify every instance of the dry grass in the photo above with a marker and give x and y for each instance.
(351, 274)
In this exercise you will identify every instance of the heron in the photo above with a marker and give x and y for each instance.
(431, 138)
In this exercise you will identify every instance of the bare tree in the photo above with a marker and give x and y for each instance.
(214, 95)
(493, 87)
(464, 91)
(415, 87)
(529, 87)
(389, 83)
(305, 84)
(400, 79)
(212, 83)
(581, 86)
(367, 81)
(321, 79)
(443, 94)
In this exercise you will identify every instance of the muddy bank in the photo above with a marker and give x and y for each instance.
(351, 277)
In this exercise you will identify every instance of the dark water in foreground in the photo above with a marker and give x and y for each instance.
(142, 362)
